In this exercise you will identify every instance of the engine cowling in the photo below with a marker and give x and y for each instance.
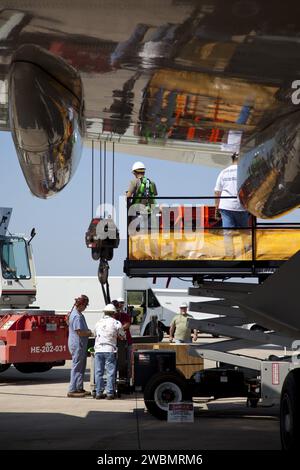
(46, 113)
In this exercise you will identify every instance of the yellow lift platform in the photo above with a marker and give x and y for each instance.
(187, 240)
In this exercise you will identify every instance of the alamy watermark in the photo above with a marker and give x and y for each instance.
(165, 221)
(296, 94)
(296, 352)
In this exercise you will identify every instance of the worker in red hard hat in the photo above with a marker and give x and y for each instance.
(77, 342)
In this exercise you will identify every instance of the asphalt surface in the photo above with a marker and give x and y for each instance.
(35, 413)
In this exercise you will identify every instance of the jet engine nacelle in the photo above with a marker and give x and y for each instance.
(46, 118)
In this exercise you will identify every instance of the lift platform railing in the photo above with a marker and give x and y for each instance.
(185, 234)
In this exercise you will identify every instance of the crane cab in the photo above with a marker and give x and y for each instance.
(17, 273)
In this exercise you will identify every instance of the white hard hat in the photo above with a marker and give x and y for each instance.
(183, 305)
(109, 308)
(138, 166)
(121, 300)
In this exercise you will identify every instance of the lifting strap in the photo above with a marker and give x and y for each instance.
(106, 293)
(103, 279)
(103, 249)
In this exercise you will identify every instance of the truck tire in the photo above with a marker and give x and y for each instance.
(164, 388)
(31, 367)
(4, 367)
(290, 411)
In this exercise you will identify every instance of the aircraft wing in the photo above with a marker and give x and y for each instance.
(188, 81)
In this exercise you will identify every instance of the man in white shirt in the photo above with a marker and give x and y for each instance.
(107, 331)
(232, 212)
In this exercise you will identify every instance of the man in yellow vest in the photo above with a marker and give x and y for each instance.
(141, 188)
(142, 191)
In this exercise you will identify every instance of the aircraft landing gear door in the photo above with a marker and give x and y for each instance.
(137, 301)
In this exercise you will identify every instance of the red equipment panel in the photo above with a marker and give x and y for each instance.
(33, 338)
(189, 217)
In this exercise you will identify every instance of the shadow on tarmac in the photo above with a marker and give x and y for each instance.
(30, 418)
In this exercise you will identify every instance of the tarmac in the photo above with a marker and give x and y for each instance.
(36, 414)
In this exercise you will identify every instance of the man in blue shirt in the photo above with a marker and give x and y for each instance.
(78, 339)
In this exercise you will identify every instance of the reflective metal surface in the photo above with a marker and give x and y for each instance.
(183, 75)
(269, 175)
(46, 118)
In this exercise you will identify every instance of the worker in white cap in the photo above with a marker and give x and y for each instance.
(179, 330)
(141, 188)
(107, 331)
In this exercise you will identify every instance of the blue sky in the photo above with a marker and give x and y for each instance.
(61, 222)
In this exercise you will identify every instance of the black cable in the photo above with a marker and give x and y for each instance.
(92, 178)
(113, 175)
(100, 182)
(104, 176)
(104, 294)
(108, 292)
(137, 424)
(184, 280)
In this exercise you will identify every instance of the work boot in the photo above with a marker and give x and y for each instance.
(76, 394)
(110, 397)
(87, 394)
(101, 396)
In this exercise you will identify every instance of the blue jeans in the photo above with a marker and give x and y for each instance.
(232, 219)
(235, 219)
(105, 361)
(78, 368)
